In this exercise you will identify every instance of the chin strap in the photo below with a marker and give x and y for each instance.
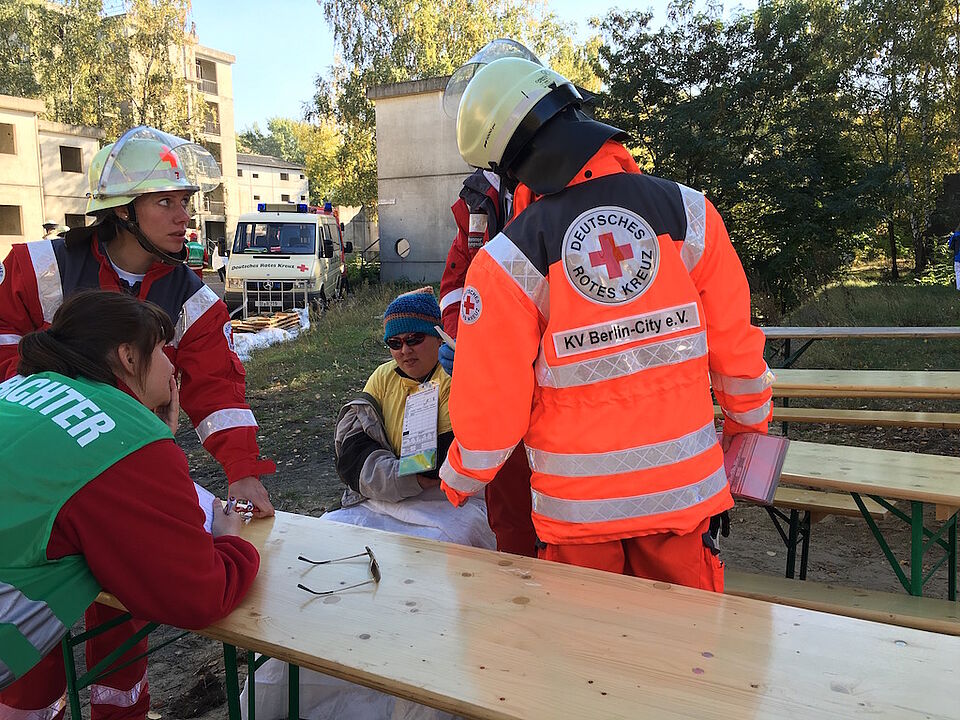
(131, 226)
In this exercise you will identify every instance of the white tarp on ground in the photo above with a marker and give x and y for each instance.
(246, 343)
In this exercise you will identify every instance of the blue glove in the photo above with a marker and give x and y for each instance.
(446, 358)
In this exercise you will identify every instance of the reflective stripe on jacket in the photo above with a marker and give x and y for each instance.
(590, 328)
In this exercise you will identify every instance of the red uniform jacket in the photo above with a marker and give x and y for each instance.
(37, 276)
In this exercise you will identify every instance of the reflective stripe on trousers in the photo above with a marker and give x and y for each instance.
(623, 363)
(616, 462)
(225, 420)
(625, 508)
(47, 713)
(105, 695)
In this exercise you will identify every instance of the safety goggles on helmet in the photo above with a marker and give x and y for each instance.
(461, 77)
(146, 160)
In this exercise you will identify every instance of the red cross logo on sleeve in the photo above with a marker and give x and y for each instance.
(468, 304)
(611, 255)
(168, 157)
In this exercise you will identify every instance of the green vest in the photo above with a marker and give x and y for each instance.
(58, 435)
(194, 254)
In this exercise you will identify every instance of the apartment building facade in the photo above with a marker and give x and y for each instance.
(268, 179)
(43, 171)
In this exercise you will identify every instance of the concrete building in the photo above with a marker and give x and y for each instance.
(43, 171)
(66, 152)
(419, 176)
(268, 179)
(210, 72)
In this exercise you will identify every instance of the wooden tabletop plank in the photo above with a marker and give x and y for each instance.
(889, 473)
(488, 635)
(778, 331)
(791, 382)
(873, 418)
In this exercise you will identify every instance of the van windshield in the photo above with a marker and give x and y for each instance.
(276, 237)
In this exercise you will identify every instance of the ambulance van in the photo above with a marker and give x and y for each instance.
(286, 256)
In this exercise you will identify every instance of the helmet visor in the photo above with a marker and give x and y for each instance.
(461, 77)
(146, 160)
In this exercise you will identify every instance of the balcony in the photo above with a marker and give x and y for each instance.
(211, 127)
(208, 86)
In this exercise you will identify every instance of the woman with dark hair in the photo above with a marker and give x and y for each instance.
(96, 495)
(140, 197)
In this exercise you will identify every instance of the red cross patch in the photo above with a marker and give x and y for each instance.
(470, 305)
(610, 255)
(301, 267)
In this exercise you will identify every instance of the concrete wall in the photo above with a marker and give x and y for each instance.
(419, 176)
(268, 186)
(20, 176)
(66, 192)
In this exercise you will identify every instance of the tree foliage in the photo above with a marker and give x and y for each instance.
(112, 72)
(783, 117)
(387, 41)
(312, 145)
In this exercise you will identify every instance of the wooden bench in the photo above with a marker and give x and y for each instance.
(794, 528)
(870, 418)
(931, 614)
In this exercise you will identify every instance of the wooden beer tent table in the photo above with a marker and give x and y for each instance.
(488, 635)
(812, 334)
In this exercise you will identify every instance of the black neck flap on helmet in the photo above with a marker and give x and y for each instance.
(558, 149)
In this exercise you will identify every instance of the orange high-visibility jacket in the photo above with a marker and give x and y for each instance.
(591, 328)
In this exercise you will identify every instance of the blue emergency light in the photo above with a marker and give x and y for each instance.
(328, 207)
(301, 207)
(261, 207)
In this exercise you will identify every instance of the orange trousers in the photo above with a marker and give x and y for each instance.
(123, 695)
(677, 559)
(509, 506)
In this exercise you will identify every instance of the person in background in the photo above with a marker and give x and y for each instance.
(485, 205)
(219, 261)
(368, 440)
(591, 328)
(88, 425)
(954, 245)
(50, 229)
(195, 254)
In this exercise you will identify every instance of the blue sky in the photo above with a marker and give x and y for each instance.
(281, 46)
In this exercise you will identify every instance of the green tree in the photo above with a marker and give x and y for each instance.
(398, 40)
(313, 146)
(903, 86)
(747, 111)
(113, 72)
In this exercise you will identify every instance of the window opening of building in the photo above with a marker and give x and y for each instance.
(8, 144)
(10, 220)
(71, 159)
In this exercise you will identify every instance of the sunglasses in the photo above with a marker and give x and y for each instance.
(374, 570)
(397, 342)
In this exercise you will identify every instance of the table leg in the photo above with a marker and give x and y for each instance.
(232, 681)
(952, 559)
(916, 547)
(805, 547)
(794, 533)
(293, 692)
(70, 666)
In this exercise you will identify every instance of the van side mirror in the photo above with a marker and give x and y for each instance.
(341, 227)
(348, 247)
